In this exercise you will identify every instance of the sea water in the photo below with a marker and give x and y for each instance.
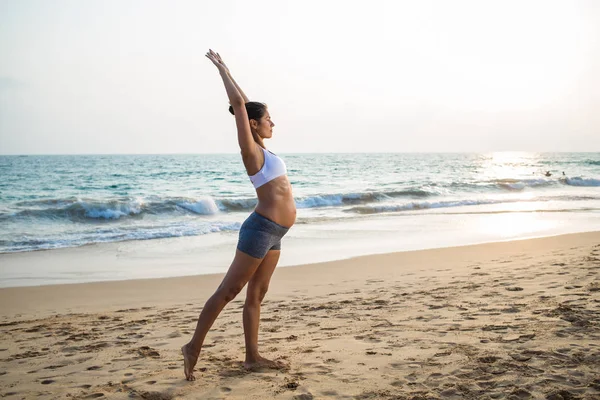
(348, 204)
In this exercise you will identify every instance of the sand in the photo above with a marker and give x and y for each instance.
(509, 320)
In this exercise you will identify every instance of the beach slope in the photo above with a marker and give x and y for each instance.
(511, 320)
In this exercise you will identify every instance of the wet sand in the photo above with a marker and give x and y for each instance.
(509, 320)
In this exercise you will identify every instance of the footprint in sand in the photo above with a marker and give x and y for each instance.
(143, 352)
(94, 396)
(329, 393)
(514, 289)
(303, 396)
(489, 359)
(520, 357)
(369, 339)
(53, 367)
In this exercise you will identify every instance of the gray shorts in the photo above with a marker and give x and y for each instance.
(259, 234)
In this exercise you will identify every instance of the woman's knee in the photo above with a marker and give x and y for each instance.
(257, 295)
(228, 293)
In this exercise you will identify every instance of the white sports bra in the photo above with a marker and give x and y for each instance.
(272, 168)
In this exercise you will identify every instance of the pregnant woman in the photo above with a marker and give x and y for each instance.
(259, 243)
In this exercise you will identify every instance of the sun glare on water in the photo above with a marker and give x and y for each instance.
(511, 170)
(514, 171)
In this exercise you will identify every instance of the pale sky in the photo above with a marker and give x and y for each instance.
(130, 77)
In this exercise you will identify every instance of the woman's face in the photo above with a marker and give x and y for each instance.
(264, 126)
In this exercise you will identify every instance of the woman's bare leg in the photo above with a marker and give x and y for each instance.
(257, 288)
(241, 270)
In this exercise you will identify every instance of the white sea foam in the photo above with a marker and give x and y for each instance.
(111, 210)
(320, 201)
(338, 199)
(423, 205)
(578, 181)
(521, 184)
(237, 204)
(118, 234)
(205, 206)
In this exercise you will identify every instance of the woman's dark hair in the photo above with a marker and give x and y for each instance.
(254, 109)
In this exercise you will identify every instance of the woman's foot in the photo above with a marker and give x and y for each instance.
(257, 363)
(189, 362)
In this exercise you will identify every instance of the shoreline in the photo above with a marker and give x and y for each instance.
(209, 254)
(146, 287)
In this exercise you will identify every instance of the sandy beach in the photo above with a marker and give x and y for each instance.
(507, 320)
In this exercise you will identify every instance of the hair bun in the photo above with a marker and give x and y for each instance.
(231, 110)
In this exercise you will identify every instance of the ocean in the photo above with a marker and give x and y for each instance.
(407, 200)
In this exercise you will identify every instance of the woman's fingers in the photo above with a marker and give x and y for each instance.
(218, 63)
(216, 59)
(211, 58)
(215, 55)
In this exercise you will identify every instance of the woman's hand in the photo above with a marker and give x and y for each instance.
(216, 59)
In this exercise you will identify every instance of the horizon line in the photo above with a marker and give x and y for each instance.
(303, 152)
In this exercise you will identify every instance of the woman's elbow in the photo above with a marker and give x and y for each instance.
(237, 102)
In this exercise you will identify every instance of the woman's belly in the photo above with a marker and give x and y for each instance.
(276, 202)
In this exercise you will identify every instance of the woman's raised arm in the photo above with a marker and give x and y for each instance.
(238, 100)
(218, 57)
(239, 88)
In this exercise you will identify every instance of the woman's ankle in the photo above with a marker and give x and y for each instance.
(191, 349)
(252, 356)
